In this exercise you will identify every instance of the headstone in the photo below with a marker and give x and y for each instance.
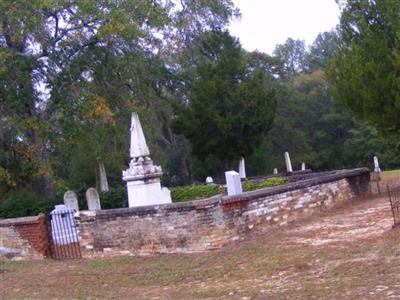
(101, 173)
(275, 171)
(242, 168)
(233, 183)
(288, 163)
(143, 177)
(209, 180)
(71, 200)
(377, 169)
(376, 176)
(93, 199)
(303, 166)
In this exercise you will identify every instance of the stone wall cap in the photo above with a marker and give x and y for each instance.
(325, 178)
(154, 209)
(213, 201)
(19, 221)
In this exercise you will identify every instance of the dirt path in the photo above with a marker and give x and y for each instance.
(361, 221)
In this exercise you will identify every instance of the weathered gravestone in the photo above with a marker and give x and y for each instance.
(93, 199)
(102, 176)
(233, 183)
(275, 171)
(71, 200)
(303, 166)
(242, 168)
(209, 180)
(288, 163)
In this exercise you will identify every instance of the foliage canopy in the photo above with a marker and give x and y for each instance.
(230, 106)
(364, 73)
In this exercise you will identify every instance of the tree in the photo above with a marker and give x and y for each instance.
(293, 55)
(321, 51)
(364, 73)
(72, 68)
(229, 108)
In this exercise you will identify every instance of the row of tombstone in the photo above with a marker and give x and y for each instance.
(242, 168)
(92, 199)
(233, 178)
(234, 184)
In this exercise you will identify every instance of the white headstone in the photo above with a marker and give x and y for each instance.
(233, 183)
(101, 171)
(93, 199)
(209, 180)
(71, 200)
(242, 168)
(303, 166)
(138, 142)
(288, 163)
(377, 169)
(275, 171)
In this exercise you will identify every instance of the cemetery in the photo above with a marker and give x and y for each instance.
(152, 224)
(161, 150)
(343, 252)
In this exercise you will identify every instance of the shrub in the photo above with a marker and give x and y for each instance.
(192, 192)
(31, 205)
(114, 198)
(250, 186)
(27, 205)
(24, 205)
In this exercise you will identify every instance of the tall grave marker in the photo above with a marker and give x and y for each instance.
(288, 163)
(242, 168)
(376, 175)
(102, 176)
(143, 177)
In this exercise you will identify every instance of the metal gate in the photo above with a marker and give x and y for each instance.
(394, 198)
(63, 234)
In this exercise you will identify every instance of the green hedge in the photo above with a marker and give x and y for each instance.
(30, 205)
(251, 186)
(114, 198)
(192, 192)
(27, 205)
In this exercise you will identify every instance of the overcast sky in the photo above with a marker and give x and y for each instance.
(266, 23)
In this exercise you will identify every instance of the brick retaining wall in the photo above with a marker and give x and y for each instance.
(23, 238)
(195, 226)
(210, 224)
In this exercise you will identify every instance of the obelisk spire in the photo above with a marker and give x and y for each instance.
(138, 142)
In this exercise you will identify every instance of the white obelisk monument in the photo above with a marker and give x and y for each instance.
(143, 177)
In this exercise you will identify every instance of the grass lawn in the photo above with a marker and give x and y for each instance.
(346, 253)
(391, 176)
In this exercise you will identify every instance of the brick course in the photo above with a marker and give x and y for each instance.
(23, 238)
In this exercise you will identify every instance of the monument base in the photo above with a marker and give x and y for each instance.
(147, 192)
